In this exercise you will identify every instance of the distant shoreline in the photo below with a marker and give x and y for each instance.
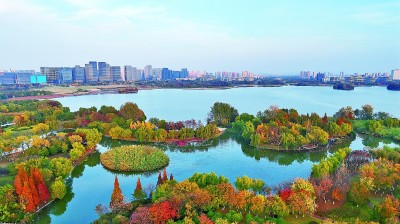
(60, 92)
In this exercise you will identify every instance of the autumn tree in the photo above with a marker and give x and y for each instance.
(337, 195)
(162, 212)
(141, 215)
(131, 111)
(116, 196)
(138, 193)
(40, 128)
(389, 209)
(165, 176)
(44, 194)
(58, 189)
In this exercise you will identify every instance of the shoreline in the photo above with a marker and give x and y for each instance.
(99, 90)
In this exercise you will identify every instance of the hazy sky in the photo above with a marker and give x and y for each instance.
(273, 36)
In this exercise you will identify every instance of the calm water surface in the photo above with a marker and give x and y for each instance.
(91, 184)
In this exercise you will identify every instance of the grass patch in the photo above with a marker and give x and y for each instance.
(6, 180)
(301, 220)
(349, 213)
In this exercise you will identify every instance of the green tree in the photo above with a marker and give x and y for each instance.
(58, 189)
(243, 183)
(60, 167)
(222, 114)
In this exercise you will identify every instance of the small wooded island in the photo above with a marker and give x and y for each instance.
(394, 86)
(343, 86)
(136, 158)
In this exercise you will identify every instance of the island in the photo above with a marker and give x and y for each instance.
(394, 86)
(343, 86)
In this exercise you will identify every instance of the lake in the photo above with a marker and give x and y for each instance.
(91, 184)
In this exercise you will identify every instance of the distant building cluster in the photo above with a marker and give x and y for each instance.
(102, 72)
(22, 77)
(366, 78)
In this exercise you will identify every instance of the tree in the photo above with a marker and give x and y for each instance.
(288, 140)
(222, 114)
(278, 207)
(165, 176)
(61, 167)
(44, 194)
(131, 111)
(389, 209)
(257, 185)
(138, 193)
(75, 154)
(116, 132)
(75, 138)
(10, 209)
(162, 212)
(141, 215)
(116, 196)
(257, 204)
(367, 112)
(40, 128)
(337, 195)
(58, 188)
(243, 183)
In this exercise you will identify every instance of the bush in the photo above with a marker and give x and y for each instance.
(134, 158)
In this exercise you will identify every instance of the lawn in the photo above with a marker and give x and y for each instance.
(301, 220)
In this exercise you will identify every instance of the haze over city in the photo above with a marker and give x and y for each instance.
(259, 36)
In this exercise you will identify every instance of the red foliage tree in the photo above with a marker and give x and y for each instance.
(203, 219)
(171, 177)
(162, 212)
(325, 119)
(32, 186)
(285, 194)
(44, 194)
(165, 176)
(19, 182)
(27, 198)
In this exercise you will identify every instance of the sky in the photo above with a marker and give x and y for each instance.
(262, 36)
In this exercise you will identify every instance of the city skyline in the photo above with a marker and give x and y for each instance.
(261, 36)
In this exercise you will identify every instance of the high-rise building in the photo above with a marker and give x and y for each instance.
(50, 73)
(165, 74)
(395, 74)
(128, 73)
(184, 73)
(116, 73)
(91, 72)
(148, 72)
(137, 74)
(78, 74)
(157, 73)
(104, 72)
(64, 75)
(8, 78)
